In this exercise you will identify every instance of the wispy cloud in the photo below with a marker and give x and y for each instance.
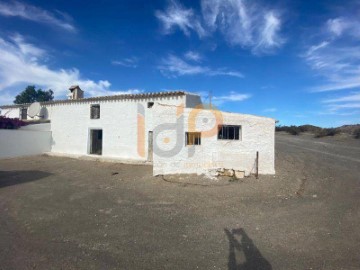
(335, 55)
(22, 62)
(353, 105)
(336, 26)
(242, 22)
(270, 110)
(131, 62)
(353, 97)
(193, 56)
(36, 14)
(173, 66)
(177, 16)
(245, 23)
(343, 103)
(343, 26)
(231, 97)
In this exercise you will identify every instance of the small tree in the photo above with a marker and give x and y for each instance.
(30, 95)
(357, 133)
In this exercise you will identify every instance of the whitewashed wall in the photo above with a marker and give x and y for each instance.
(11, 112)
(15, 143)
(38, 127)
(257, 135)
(45, 113)
(71, 124)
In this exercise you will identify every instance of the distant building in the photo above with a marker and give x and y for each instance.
(171, 130)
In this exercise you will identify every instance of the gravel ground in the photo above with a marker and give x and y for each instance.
(61, 213)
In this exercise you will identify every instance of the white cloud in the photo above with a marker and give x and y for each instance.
(244, 23)
(349, 26)
(336, 56)
(36, 14)
(23, 63)
(241, 22)
(343, 103)
(336, 26)
(231, 97)
(353, 105)
(270, 110)
(352, 98)
(334, 112)
(6, 98)
(269, 37)
(193, 56)
(177, 16)
(131, 62)
(173, 66)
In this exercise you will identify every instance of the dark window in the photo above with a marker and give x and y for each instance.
(192, 138)
(150, 104)
(23, 113)
(95, 111)
(229, 132)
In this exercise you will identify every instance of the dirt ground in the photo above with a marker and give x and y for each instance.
(61, 213)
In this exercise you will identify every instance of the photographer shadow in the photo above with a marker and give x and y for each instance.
(253, 258)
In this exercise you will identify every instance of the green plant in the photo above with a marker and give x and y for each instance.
(30, 95)
(11, 123)
(324, 132)
(357, 133)
(293, 130)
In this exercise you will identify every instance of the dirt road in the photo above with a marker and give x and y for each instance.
(59, 213)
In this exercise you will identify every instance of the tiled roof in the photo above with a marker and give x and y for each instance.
(114, 97)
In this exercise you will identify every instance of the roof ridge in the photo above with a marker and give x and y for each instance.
(109, 97)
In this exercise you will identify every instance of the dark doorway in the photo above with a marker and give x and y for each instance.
(96, 136)
(150, 147)
(23, 113)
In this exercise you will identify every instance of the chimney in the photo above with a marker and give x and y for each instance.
(76, 92)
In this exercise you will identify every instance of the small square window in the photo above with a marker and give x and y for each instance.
(229, 132)
(192, 138)
(150, 104)
(95, 111)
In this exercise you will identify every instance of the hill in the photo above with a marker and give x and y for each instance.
(353, 130)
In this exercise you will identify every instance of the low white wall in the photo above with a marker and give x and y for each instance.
(15, 112)
(10, 112)
(15, 143)
(172, 156)
(37, 127)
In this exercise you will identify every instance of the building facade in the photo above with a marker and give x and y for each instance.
(170, 129)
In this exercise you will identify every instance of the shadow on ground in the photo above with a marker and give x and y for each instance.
(11, 178)
(253, 258)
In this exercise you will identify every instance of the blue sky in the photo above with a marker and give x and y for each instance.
(296, 61)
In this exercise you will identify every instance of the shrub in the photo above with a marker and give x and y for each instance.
(326, 132)
(357, 133)
(293, 130)
(11, 123)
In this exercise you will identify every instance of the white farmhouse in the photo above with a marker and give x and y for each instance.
(171, 130)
